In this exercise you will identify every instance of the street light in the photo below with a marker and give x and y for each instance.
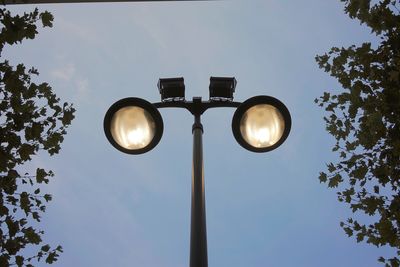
(135, 126)
(261, 123)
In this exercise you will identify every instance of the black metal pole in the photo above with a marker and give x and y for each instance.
(198, 233)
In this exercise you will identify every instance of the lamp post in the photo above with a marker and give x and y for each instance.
(134, 126)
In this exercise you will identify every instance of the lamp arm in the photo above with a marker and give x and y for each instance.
(197, 106)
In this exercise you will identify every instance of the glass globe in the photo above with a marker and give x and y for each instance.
(262, 126)
(133, 127)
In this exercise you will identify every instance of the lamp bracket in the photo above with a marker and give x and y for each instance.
(197, 107)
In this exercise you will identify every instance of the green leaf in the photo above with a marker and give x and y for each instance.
(36, 216)
(41, 175)
(331, 167)
(24, 202)
(3, 211)
(325, 97)
(47, 197)
(19, 260)
(45, 248)
(335, 180)
(360, 172)
(376, 189)
(68, 116)
(26, 151)
(322, 177)
(12, 246)
(360, 237)
(32, 236)
(47, 19)
(348, 231)
(13, 226)
(51, 258)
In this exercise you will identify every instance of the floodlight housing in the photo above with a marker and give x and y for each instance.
(171, 89)
(222, 88)
(133, 125)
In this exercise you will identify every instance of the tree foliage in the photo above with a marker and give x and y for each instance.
(31, 120)
(364, 118)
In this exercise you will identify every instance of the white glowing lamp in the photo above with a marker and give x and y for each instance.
(261, 123)
(133, 125)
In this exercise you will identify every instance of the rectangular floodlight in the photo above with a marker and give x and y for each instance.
(222, 88)
(172, 89)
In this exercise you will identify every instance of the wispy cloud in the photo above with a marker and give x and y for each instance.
(82, 87)
(64, 73)
(68, 75)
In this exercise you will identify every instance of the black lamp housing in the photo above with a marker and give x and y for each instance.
(222, 88)
(134, 102)
(260, 100)
(171, 89)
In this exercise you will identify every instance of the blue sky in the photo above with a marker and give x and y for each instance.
(113, 209)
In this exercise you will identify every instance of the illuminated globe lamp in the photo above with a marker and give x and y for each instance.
(133, 125)
(261, 123)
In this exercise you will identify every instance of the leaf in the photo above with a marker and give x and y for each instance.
(47, 19)
(36, 216)
(26, 151)
(3, 211)
(51, 258)
(325, 97)
(13, 226)
(41, 175)
(19, 260)
(32, 236)
(47, 197)
(331, 167)
(12, 246)
(360, 237)
(24, 202)
(45, 248)
(4, 259)
(376, 189)
(348, 231)
(12, 174)
(360, 172)
(68, 116)
(23, 222)
(322, 177)
(335, 180)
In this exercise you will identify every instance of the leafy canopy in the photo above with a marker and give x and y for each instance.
(364, 118)
(31, 120)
